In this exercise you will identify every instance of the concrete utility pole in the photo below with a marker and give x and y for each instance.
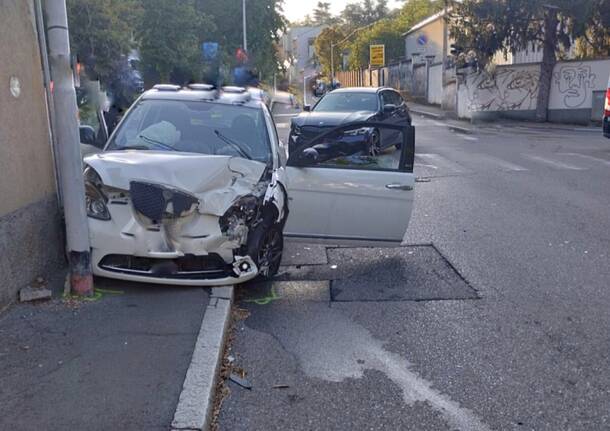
(445, 39)
(69, 156)
(243, 6)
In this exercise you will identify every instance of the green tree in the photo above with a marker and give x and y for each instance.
(101, 32)
(265, 24)
(321, 13)
(322, 48)
(487, 27)
(170, 36)
(389, 32)
(356, 15)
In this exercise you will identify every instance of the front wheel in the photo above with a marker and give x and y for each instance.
(375, 143)
(270, 251)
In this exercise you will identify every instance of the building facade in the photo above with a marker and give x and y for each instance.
(30, 227)
(298, 47)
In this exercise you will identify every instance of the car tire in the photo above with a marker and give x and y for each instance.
(267, 245)
(375, 147)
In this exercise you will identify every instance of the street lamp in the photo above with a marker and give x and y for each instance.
(243, 7)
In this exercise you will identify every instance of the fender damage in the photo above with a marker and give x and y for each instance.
(181, 218)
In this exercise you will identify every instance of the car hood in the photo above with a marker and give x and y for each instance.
(324, 119)
(216, 181)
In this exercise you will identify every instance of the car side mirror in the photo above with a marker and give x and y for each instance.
(307, 108)
(389, 108)
(87, 135)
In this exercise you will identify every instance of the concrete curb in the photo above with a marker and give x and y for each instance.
(197, 397)
(459, 129)
(427, 114)
(435, 116)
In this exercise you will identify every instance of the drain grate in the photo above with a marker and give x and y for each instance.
(412, 273)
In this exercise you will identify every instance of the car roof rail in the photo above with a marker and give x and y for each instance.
(166, 87)
(201, 87)
(234, 89)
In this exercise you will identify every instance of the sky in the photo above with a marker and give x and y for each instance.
(297, 9)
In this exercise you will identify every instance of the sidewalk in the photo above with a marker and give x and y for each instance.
(465, 126)
(115, 363)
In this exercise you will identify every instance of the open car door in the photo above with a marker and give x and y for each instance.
(343, 192)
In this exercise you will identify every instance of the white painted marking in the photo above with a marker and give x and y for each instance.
(285, 115)
(586, 156)
(329, 345)
(469, 138)
(553, 163)
(282, 125)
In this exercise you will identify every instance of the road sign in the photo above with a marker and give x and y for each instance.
(422, 40)
(210, 50)
(377, 55)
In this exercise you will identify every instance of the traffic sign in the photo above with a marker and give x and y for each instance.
(377, 55)
(209, 50)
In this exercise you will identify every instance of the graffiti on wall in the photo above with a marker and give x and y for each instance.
(574, 83)
(508, 89)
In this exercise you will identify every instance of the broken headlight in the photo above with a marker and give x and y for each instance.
(245, 208)
(239, 218)
(95, 200)
(360, 131)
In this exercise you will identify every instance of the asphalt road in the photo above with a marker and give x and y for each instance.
(499, 318)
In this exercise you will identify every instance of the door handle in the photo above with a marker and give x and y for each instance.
(399, 187)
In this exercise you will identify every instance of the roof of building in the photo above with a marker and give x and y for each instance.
(425, 22)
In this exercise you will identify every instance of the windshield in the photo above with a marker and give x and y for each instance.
(194, 127)
(347, 102)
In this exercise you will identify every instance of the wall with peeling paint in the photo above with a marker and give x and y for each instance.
(30, 231)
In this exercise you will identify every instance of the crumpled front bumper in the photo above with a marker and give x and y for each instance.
(159, 262)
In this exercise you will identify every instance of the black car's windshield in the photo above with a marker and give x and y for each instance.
(347, 102)
(194, 127)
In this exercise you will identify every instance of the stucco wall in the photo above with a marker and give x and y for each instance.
(29, 246)
(512, 91)
(510, 88)
(435, 84)
(428, 40)
(575, 81)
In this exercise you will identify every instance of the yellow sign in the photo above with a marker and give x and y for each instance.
(377, 55)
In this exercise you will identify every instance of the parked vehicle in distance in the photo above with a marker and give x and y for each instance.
(195, 188)
(606, 120)
(346, 105)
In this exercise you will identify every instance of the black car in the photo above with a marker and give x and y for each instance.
(349, 105)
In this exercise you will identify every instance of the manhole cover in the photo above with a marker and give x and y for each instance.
(414, 273)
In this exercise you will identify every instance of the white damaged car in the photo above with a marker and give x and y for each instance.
(195, 188)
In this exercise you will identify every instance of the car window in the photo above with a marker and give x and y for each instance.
(194, 127)
(347, 102)
(397, 98)
(361, 148)
(391, 98)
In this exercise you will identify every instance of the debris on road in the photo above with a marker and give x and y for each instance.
(30, 293)
(244, 383)
(281, 386)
